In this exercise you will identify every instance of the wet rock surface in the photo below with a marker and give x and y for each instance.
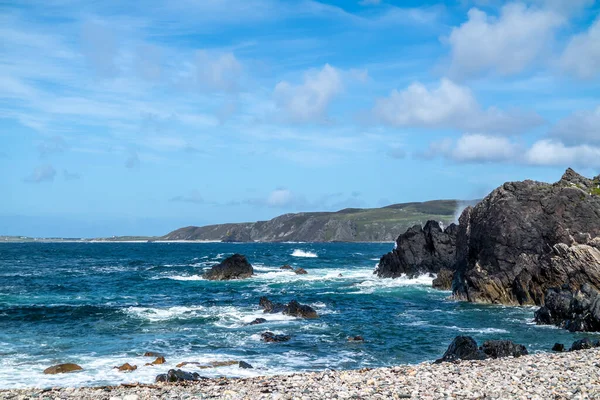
(62, 369)
(293, 308)
(233, 267)
(576, 311)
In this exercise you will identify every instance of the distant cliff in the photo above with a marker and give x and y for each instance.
(348, 225)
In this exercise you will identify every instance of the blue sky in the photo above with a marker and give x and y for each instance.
(140, 117)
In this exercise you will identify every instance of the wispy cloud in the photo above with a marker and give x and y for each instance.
(193, 197)
(43, 173)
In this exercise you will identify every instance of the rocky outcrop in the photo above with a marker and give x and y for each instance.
(503, 348)
(420, 250)
(300, 271)
(62, 368)
(348, 225)
(126, 367)
(293, 308)
(233, 267)
(177, 375)
(583, 344)
(465, 348)
(527, 237)
(462, 348)
(443, 280)
(577, 311)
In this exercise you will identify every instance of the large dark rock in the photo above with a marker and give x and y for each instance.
(503, 348)
(527, 237)
(585, 343)
(293, 308)
(577, 311)
(462, 348)
(420, 250)
(258, 321)
(233, 267)
(177, 375)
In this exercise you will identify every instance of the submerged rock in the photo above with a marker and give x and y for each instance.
(356, 339)
(577, 311)
(503, 348)
(258, 321)
(293, 308)
(62, 369)
(233, 267)
(152, 354)
(300, 271)
(287, 268)
(420, 250)
(177, 375)
(271, 337)
(462, 348)
(245, 365)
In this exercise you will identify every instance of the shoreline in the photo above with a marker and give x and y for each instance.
(567, 375)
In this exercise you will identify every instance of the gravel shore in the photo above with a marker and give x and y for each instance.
(571, 375)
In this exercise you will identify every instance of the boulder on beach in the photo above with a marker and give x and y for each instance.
(420, 250)
(462, 348)
(126, 367)
(177, 375)
(300, 271)
(558, 347)
(62, 369)
(576, 311)
(293, 308)
(245, 365)
(585, 343)
(233, 267)
(287, 267)
(271, 337)
(503, 348)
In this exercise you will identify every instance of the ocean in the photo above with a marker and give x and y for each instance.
(103, 304)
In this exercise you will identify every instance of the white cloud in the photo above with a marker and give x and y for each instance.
(449, 106)
(506, 45)
(579, 128)
(582, 55)
(280, 198)
(310, 100)
(43, 173)
(565, 6)
(549, 153)
(475, 148)
(218, 71)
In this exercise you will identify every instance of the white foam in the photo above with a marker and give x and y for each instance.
(302, 253)
(185, 277)
(163, 314)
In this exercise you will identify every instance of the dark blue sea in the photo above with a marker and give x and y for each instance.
(103, 304)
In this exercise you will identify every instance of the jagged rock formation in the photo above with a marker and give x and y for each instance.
(576, 312)
(527, 237)
(293, 308)
(419, 251)
(233, 267)
(348, 225)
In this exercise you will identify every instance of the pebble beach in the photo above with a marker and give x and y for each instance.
(568, 375)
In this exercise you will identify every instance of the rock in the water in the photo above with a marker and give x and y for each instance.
(177, 375)
(443, 280)
(356, 339)
(293, 308)
(233, 267)
(527, 237)
(270, 337)
(159, 360)
(462, 348)
(258, 321)
(503, 348)
(577, 311)
(62, 368)
(127, 367)
(245, 365)
(152, 354)
(585, 343)
(420, 250)
(300, 271)
(287, 267)
(558, 347)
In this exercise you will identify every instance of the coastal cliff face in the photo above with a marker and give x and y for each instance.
(527, 237)
(348, 225)
(520, 241)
